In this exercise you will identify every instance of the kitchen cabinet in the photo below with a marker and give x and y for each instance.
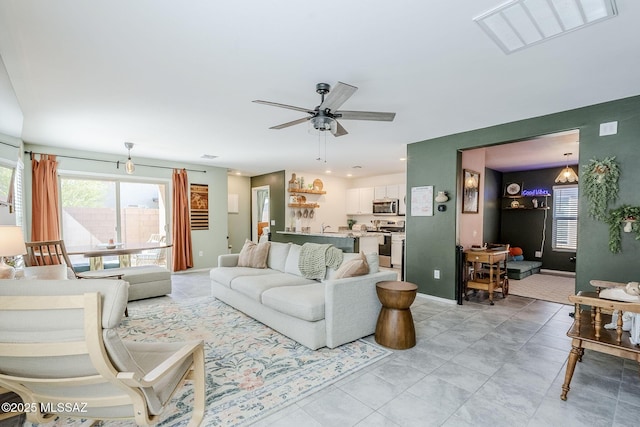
(386, 192)
(396, 250)
(360, 201)
(368, 244)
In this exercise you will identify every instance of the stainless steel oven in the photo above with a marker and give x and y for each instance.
(386, 207)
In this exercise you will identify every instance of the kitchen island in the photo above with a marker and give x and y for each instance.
(348, 242)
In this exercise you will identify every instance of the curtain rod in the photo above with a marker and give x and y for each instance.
(117, 162)
(10, 145)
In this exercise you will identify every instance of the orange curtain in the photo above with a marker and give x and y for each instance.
(45, 221)
(182, 250)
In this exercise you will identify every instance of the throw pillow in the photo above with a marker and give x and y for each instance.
(354, 267)
(254, 255)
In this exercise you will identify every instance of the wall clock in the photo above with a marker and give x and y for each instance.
(513, 189)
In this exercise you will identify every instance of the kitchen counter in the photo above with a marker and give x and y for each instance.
(348, 242)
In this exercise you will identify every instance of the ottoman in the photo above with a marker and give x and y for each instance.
(145, 281)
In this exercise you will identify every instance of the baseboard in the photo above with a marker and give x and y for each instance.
(558, 273)
(434, 298)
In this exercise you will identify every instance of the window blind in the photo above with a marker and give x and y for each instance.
(565, 217)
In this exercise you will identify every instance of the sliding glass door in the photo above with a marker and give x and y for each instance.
(96, 211)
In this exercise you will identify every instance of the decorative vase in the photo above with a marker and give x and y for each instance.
(442, 197)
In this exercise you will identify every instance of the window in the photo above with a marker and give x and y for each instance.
(11, 188)
(96, 210)
(565, 218)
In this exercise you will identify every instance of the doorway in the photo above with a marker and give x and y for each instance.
(260, 212)
(527, 219)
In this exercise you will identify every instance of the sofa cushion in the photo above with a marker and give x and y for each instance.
(254, 286)
(225, 275)
(293, 258)
(304, 302)
(372, 260)
(278, 255)
(254, 255)
(354, 267)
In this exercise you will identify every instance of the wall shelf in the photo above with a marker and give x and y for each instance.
(522, 208)
(305, 191)
(304, 205)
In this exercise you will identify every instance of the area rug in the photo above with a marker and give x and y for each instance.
(546, 287)
(252, 371)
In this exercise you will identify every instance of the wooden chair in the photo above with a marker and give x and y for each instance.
(59, 348)
(588, 331)
(52, 252)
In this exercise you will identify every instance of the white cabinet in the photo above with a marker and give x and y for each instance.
(386, 192)
(368, 244)
(359, 201)
(396, 249)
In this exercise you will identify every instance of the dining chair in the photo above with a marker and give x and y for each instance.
(48, 252)
(60, 351)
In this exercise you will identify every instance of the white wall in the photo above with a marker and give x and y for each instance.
(332, 210)
(239, 224)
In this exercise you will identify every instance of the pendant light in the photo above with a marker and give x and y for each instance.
(567, 174)
(129, 166)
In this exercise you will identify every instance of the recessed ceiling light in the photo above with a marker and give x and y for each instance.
(521, 23)
(208, 156)
(402, 159)
(349, 175)
(238, 173)
(327, 171)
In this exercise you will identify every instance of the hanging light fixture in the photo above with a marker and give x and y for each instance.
(129, 166)
(567, 174)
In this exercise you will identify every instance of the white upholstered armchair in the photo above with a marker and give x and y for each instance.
(59, 348)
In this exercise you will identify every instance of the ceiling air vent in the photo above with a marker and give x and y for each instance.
(518, 24)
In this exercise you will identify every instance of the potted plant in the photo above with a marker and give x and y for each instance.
(625, 216)
(600, 185)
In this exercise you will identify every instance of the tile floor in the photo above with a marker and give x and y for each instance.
(473, 365)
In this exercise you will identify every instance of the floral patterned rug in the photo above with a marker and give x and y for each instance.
(252, 371)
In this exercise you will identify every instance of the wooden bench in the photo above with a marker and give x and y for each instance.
(588, 331)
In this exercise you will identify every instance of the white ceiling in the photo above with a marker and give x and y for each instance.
(178, 78)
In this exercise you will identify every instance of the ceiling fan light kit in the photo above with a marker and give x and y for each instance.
(324, 117)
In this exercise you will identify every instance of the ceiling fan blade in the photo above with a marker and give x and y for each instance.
(293, 123)
(365, 115)
(290, 107)
(338, 96)
(339, 131)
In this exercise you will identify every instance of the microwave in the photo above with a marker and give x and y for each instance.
(386, 207)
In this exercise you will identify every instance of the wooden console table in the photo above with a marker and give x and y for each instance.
(588, 331)
(486, 270)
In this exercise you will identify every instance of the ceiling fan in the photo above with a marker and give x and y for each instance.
(323, 117)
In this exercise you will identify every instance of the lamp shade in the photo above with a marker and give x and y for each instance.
(567, 175)
(11, 241)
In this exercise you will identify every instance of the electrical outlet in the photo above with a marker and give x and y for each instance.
(538, 254)
(436, 274)
(201, 253)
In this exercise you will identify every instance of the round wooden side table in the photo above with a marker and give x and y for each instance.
(395, 328)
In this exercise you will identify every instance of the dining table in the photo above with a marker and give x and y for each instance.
(96, 253)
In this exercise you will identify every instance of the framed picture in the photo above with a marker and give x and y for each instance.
(513, 189)
(470, 191)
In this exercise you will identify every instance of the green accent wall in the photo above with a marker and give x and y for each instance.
(276, 182)
(431, 241)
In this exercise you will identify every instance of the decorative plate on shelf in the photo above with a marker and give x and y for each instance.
(513, 189)
(317, 185)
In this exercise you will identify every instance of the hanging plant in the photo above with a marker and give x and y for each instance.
(600, 185)
(620, 217)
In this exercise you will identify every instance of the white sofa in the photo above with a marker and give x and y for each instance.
(330, 312)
